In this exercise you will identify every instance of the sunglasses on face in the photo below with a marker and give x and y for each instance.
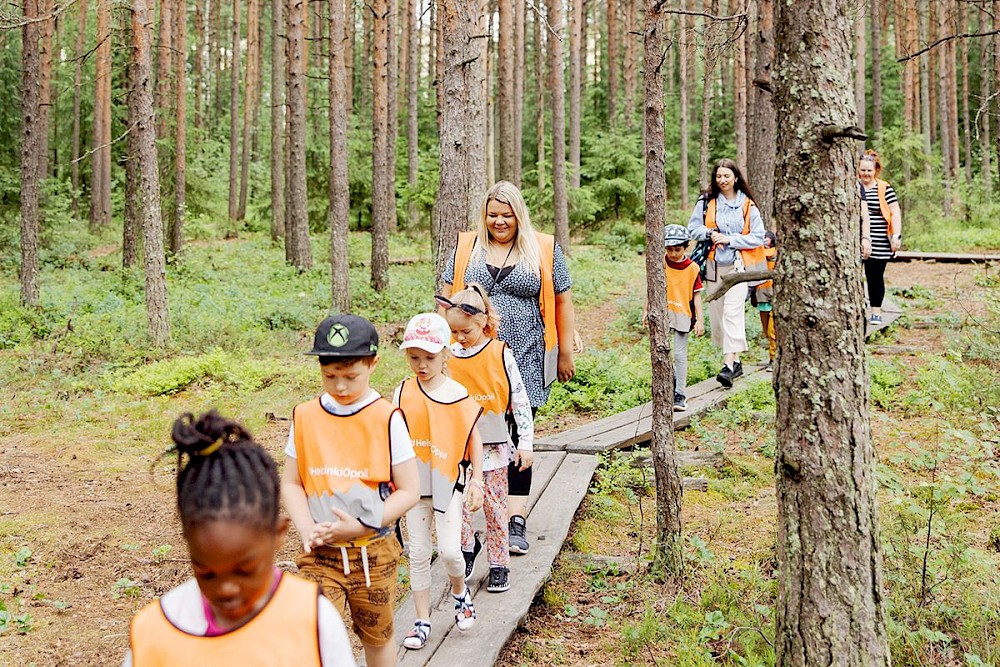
(466, 308)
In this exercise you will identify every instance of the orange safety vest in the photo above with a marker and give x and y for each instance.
(765, 290)
(680, 291)
(485, 376)
(285, 633)
(345, 461)
(546, 296)
(881, 187)
(753, 258)
(441, 434)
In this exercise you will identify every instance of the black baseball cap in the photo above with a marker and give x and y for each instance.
(345, 336)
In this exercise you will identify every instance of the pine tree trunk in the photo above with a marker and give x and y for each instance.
(33, 125)
(366, 55)
(934, 56)
(558, 99)
(710, 54)
(963, 47)
(943, 86)
(505, 89)
(876, 23)
(685, 47)
(215, 59)
(350, 20)
(132, 226)
(575, 90)
(180, 150)
(340, 196)
(199, 64)
(985, 71)
(831, 605)
(100, 162)
(518, 129)
(297, 243)
(142, 119)
(234, 124)
(164, 66)
(631, 66)
(488, 54)
(926, 128)
(539, 101)
(740, 99)
(860, 60)
(668, 555)
(911, 71)
(45, 83)
(462, 172)
(763, 119)
(278, 119)
(77, 77)
(392, 75)
(412, 102)
(612, 65)
(249, 97)
(381, 166)
(953, 120)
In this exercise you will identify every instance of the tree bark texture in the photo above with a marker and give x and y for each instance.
(297, 244)
(392, 79)
(985, 71)
(575, 90)
(911, 75)
(668, 554)
(180, 145)
(710, 53)
(215, 58)
(860, 60)
(631, 65)
(340, 195)
(100, 161)
(925, 85)
(505, 89)
(250, 83)
(740, 99)
(278, 119)
(539, 100)
(382, 173)
(199, 63)
(876, 26)
(234, 123)
(830, 608)
(164, 66)
(557, 92)
(763, 119)
(612, 64)
(943, 95)
(518, 133)
(132, 226)
(963, 54)
(462, 173)
(686, 74)
(142, 119)
(33, 125)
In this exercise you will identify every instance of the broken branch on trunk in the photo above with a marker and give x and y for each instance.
(722, 286)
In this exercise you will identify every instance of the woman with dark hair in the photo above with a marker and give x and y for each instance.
(885, 229)
(727, 217)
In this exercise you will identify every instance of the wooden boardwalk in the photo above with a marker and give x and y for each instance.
(564, 467)
(966, 257)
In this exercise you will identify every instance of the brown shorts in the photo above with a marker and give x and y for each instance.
(372, 606)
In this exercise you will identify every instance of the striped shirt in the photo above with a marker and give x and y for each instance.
(879, 225)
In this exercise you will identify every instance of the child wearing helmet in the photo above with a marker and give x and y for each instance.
(684, 313)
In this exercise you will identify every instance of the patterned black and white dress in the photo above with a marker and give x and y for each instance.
(514, 293)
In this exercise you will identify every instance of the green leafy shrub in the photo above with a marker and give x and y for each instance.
(173, 375)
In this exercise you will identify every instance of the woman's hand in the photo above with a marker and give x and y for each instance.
(566, 367)
(718, 239)
(895, 242)
(866, 248)
(523, 459)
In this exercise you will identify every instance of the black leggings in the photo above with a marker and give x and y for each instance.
(519, 481)
(875, 274)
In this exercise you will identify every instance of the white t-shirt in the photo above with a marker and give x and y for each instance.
(400, 447)
(184, 609)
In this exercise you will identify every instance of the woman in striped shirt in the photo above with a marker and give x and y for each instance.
(884, 236)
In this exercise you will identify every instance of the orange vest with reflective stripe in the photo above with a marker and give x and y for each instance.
(680, 291)
(441, 435)
(285, 633)
(345, 461)
(485, 376)
(546, 295)
(753, 258)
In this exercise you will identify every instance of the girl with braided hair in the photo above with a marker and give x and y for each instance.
(238, 609)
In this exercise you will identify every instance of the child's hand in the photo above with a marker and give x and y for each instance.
(523, 459)
(474, 495)
(345, 529)
(699, 328)
(314, 537)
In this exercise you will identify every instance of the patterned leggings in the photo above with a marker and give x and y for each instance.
(495, 508)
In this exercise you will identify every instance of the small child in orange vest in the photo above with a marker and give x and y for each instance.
(684, 313)
(228, 498)
(487, 368)
(350, 473)
(442, 421)
(761, 295)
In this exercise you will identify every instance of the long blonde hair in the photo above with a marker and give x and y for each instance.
(528, 252)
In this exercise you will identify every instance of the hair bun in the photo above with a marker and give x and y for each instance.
(204, 435)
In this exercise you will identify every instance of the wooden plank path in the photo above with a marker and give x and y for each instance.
(890, 313)
(966, 257)
(564, 467)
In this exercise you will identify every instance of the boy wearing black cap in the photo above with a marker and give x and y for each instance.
(350, 473)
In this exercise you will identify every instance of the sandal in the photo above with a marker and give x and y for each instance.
(417, 637)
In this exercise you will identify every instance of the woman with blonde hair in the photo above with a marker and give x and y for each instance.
(525, 276)
(884, 234)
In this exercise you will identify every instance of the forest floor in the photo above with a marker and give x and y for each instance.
(88, 529)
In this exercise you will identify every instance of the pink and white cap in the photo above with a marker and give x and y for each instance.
(428, 331)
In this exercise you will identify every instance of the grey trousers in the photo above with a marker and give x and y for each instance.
(680, 362)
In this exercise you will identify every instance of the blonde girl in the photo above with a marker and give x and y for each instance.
(442, 419)
(487, 368)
